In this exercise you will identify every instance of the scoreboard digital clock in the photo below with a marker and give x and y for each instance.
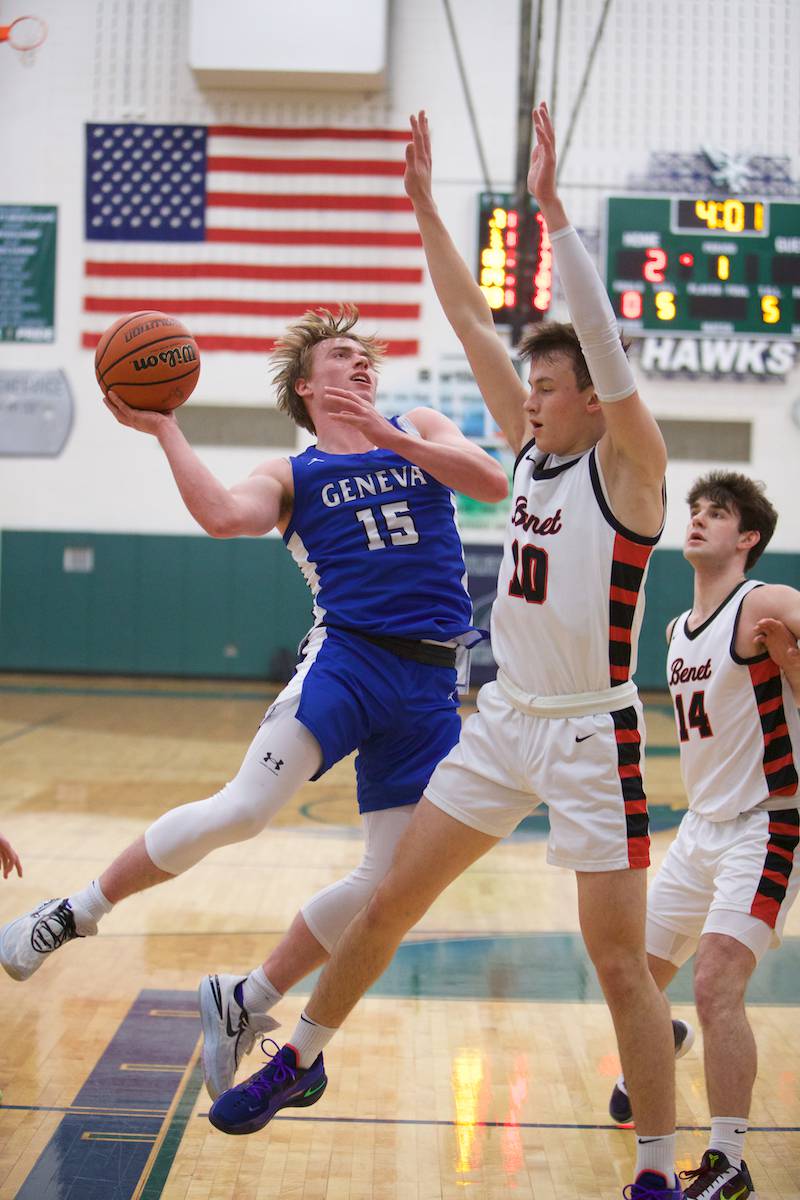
(704, 266)
(515, 259)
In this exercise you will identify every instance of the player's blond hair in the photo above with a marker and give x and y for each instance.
(291, 358)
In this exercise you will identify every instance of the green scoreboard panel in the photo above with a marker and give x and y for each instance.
(701, 266)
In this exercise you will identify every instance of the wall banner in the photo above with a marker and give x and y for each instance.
(27, 272)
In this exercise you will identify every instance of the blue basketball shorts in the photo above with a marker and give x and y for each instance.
(400, 715)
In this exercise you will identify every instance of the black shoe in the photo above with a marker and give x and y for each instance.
(619, 1106)
(716, 1179)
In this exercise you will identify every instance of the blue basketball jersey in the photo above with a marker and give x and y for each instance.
(376, 539)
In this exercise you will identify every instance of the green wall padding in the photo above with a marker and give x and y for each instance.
(152, 605)
(194, 606)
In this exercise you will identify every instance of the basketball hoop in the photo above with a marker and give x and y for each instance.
(25, 35)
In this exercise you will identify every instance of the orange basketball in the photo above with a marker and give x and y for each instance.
(149, 359)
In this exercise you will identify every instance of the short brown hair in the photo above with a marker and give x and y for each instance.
(739, 494)
(291, 356)
(558, 337)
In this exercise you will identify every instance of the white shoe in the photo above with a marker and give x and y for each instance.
(229, 1032)
(26, 942)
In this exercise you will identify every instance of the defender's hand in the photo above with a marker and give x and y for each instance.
(418, 173)
(542, 173)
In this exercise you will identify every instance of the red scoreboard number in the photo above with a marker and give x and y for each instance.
(516, 279)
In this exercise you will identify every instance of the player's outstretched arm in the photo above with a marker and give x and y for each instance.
(632, 451)
(252, 507)
(461, 299)
(9, 859)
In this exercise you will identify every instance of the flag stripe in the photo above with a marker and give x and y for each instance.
(308, 200)
(258, 345)
(283, 272)
(293, 133)
(314, 237)
(257, 308)
(305, 166)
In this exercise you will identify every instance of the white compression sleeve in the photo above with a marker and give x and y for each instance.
(592, 317)
(329, 912)
(281, 757)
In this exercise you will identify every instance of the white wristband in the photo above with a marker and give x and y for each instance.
(592, 317)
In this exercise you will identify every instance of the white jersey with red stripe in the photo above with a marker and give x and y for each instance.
(737, 719)
(570, 592)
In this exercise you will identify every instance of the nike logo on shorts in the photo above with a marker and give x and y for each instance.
(585, 736)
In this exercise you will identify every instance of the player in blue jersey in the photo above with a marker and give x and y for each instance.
(367, 512)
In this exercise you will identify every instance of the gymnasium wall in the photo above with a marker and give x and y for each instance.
(666, 78)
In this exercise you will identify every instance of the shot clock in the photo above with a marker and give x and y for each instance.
(515, 263)
(702, 265)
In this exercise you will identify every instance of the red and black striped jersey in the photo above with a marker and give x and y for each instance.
(737, 718)
(570, 592)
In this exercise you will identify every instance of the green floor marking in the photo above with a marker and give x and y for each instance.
(175, 1131)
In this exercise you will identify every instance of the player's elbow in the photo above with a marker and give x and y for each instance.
(495, 485)
(222, 525)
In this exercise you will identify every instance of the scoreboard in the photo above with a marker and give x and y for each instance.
(702, 266)
(515, 259)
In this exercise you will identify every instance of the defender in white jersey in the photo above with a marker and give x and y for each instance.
(368, 514)
(732, 873)
(562, 723)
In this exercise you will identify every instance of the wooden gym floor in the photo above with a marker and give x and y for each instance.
(480, 1066)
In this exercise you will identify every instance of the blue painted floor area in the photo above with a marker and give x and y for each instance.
(545, 967)
(99, 1150)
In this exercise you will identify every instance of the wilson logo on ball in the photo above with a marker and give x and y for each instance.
(172, 357)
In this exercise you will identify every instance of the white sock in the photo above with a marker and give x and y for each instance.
(657, 1154)
(88, 907)
(258, 994)
(309, 1039)
(727, 1135)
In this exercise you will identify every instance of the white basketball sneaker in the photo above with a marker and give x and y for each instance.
(229, 1031)
(26, 942)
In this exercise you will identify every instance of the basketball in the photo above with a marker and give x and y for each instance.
(149, 359)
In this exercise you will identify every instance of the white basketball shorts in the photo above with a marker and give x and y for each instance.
(737, 877)
(587, 769)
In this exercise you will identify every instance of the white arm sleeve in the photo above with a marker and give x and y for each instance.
(592, 317)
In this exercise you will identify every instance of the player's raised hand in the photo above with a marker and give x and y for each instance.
(542, 172)
(417, 178)
(142, 419)
(9, 859)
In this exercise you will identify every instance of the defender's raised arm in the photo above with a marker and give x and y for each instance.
(461, 299)
(632, 450)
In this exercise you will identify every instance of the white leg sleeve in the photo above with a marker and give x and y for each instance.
(592, 317)
(281, 757)
(329, 913)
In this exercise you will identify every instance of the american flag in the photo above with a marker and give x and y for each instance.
(238, 229)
